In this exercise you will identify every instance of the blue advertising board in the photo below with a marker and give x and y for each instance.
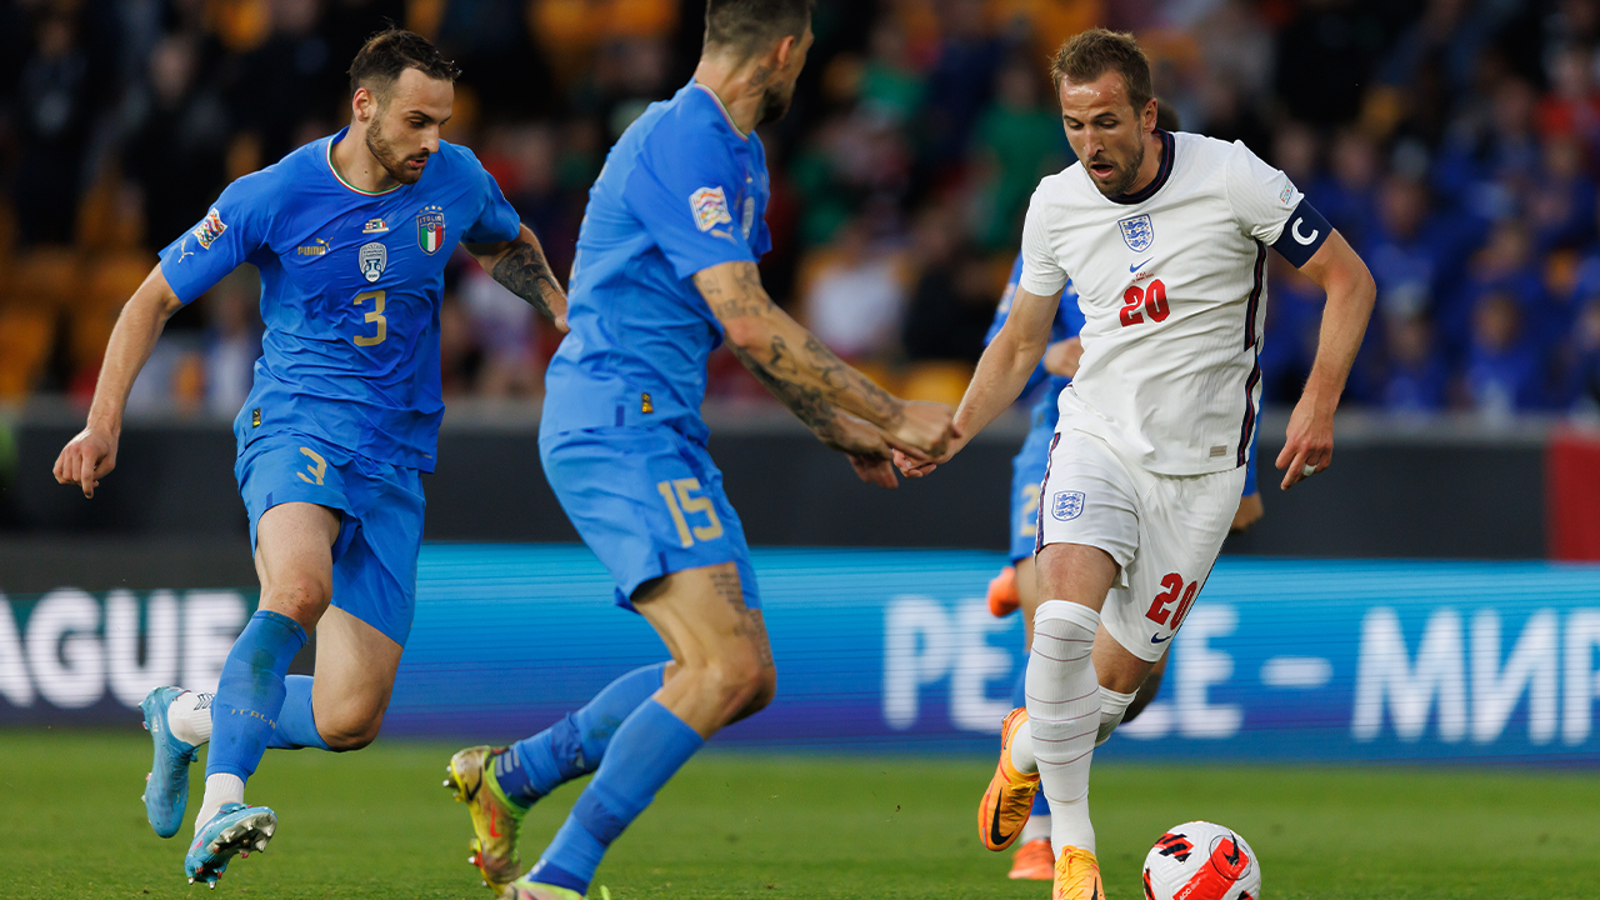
(895, 651)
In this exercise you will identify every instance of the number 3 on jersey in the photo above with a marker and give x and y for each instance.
(679, 504)
(1149, 301)
(375, 316)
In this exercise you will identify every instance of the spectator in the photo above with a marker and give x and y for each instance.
(1502, 372)
(855, 293)
(1416, 379)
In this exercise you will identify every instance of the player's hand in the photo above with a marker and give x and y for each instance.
(1250, 512)
(86, 459)
(878, 470)
(1308, 444)
(870, 454)
(916, 466)
(1062, 357)
(925, 430)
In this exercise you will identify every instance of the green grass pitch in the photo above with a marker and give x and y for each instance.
(378, 823)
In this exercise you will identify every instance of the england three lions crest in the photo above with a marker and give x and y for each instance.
(1137, 232)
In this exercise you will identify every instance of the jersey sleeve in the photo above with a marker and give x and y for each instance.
(499, 220)
(684, 198)
(232, 229)
(1262, 197)
(1041, 273)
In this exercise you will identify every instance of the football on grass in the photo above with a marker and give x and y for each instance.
(1201, 861)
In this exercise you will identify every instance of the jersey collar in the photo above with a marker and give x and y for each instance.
(721, 107)
(328, 155)
(1162, 174)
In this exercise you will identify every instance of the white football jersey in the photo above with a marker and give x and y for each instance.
(1172, 284)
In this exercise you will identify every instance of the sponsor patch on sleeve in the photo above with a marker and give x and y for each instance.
(209, 229)
(710, 207)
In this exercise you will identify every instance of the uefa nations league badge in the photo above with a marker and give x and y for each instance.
(430, 229)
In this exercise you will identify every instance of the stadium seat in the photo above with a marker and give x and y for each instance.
(940, 382)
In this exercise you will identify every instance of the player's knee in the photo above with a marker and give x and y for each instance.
(739, 678)
(302, 597)
(351, 732)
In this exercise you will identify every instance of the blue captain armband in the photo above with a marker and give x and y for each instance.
(1305, 231)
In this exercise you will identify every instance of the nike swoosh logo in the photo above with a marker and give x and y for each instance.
(996, 837)
(472, 792)
(1139, 266)
(1160, 640)
(493, 831)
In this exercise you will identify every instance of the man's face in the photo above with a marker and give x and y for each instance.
(404, 129)
(779, 92)
(1105, 131)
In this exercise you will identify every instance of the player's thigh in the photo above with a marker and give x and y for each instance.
(356, 665)
(702, 618)
(1182, 523)
(649, 503)
(294, 560)
(294, 492)
(1088, 521)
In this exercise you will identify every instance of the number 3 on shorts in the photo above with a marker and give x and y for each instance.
(679, 503)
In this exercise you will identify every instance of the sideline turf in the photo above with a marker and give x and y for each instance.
(378, 824)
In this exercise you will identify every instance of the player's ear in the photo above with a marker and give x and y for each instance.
(785, 51)
(363, 105)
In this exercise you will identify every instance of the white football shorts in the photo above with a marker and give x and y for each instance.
(1164, 531)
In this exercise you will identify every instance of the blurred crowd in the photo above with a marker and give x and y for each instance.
(1456, 144)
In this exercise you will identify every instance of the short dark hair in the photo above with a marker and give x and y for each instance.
(1092, 53)
(747, 27)
(389, 52)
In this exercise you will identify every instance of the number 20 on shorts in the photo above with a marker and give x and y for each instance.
(1159, 611)
(681, 505)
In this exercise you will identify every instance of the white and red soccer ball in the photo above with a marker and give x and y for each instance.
(1201, 861)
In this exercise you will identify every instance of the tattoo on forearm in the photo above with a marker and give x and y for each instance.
(525, 272)
(811, 380)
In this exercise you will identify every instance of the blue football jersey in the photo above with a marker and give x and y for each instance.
(351, 283)
(682, 191)
(1067, 323)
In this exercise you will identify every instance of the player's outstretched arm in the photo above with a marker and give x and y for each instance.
(1337, 269)
(521, 266)
(92, 454)
(1001, 375)
(814, 383)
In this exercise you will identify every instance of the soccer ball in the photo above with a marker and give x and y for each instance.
(1201, 861)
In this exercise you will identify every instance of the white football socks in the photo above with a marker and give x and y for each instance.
(1064, 712)
(1037, 829)
(220, 788)
(189, 717)
(1112, 706)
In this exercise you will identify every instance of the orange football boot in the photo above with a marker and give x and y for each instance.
(1034, 861)
(1008, 801)
(1003, 596)
(1077, 877)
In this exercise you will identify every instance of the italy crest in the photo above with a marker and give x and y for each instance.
(430, 229)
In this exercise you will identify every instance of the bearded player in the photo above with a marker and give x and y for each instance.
(351, 234)
(666, 271)
(1164, 235)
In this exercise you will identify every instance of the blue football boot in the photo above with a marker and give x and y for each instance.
(236, 829)
(166, 787)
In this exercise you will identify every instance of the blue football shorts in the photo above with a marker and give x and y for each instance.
(648, 502)
(381, 508)
(1027, 471)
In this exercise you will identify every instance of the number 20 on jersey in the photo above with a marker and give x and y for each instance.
(1149, 301)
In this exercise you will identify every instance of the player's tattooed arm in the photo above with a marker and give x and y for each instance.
(800, 371)
(520, 266)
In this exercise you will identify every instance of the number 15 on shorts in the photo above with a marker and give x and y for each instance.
(681, 505)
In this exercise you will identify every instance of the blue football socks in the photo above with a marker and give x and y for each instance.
(576, 744)
(648, 749)
(251, 692)
(297, 725)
